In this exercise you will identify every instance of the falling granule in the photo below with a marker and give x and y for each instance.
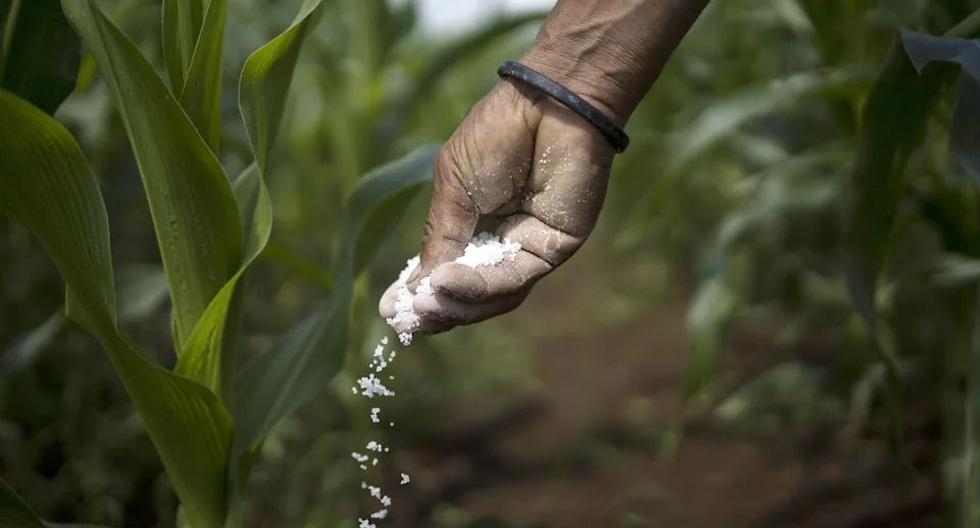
(405, 479)
(485, 249)
(371, 386)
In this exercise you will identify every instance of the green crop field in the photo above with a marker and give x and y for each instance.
(775, 323)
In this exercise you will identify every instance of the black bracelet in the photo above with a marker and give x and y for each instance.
(614, 133)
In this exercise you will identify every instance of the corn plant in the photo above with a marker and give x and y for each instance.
(864, 226)
(208, 416)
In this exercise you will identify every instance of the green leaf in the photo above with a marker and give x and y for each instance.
(40, 54)
(182, 22)
(299, 266)
(264, 86)
(141, 291)
(893, 124)
(194, 212)
(201, 94)
(708, 318)
(46, 185)
(965, 132)
(206, 356)
(299, 364)
(719, 122)
(266, 78)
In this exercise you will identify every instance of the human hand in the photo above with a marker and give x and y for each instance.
(520, 166)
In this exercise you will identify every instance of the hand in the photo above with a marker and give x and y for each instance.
(521, 166)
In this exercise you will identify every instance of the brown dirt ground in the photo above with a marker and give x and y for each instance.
(590, 451)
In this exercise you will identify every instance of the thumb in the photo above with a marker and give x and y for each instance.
(451, 221)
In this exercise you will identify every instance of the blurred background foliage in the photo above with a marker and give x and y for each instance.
(699, 363)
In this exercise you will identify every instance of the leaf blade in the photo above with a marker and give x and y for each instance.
(201, 93)
(181, 25)
(46, 185)
(265, 80)
(194, 213)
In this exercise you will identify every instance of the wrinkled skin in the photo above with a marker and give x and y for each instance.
(525, 168)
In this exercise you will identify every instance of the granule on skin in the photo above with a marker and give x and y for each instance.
(425, 287)
(485, 249)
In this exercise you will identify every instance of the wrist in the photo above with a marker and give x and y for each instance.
(602, 80)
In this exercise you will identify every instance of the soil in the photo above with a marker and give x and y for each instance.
(602, 446)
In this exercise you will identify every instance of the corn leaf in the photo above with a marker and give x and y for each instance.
(201, 93)
(182, 22)
(39, 54)
(965, 53)
(194, 212)
(266, 78)
(299, 364)
(893, 123)
(720, 120)
(206, 355)
(264, 85)
(46, 185)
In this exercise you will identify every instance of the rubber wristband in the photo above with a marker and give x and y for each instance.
(613, 132)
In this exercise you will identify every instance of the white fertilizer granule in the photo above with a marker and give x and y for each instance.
(370, 386)
(485, 249)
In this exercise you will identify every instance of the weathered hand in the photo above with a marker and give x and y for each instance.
(525, 168)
